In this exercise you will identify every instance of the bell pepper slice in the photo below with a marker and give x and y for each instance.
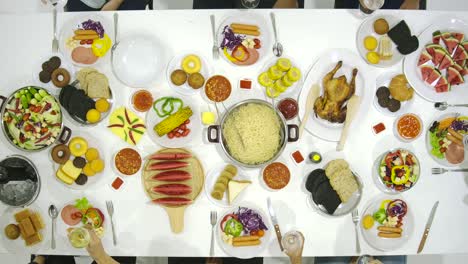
(228, 56)
(240, 53)
(397, 177)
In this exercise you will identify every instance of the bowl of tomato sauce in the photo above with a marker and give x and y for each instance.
(408, 127)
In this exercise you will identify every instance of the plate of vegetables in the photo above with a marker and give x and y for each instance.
(243, 233)
(387, 223)
(397, 171)
(32, 119)
(76, 218)
(444, 139)
(174, 122)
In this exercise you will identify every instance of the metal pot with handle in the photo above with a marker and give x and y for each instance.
(287, 133)
(32, 119)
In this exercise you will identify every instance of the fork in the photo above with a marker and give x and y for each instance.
(213, 220)
(54, 40)
(215, 40)
(110, 211)
(442, 170)
(355, 216)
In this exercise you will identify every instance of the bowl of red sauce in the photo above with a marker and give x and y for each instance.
(288, 108)
(142, 100)
(276, 175)
(408, 127)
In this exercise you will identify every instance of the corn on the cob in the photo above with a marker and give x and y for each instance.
(385, 48)
(173, 121)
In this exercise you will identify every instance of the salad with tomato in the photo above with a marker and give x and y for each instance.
(399, 170)
(244, 227)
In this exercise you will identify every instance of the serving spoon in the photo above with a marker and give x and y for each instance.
(53, 213)
(277, 47)
(441, 106)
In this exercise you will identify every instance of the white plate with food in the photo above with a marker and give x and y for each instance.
(373, 43)
(387, 223)
(438, 68)
(48, 69)
(322, 128)
(444, 139)
(186, 74)
(244, 38)
(225, 185)
(395, 85)
(86, 39)
(77, 214)
(80, 164)
(18, 223)
(174, 122)
(137, 60)
(280, 77)
(243, 232)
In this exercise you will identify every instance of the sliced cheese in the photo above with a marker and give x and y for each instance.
(64, 177)
(235, 188)
(70, 170)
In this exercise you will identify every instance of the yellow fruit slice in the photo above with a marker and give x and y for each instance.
(283, 64)
(264, 80)
(279, 86)
(272, 92)
(368, 222)
(370, 43)
(92, 154)
(97, 165)
(102, 105)
(294, 74)
(373, 57)
(93, 116)
(78, 146)
(286, 82)
(274, 72)
(88, 171)
(191, 64)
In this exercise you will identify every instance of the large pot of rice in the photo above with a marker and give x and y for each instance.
(252, 133)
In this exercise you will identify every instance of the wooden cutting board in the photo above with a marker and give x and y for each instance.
(195, 168)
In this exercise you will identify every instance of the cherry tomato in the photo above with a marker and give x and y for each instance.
(257, 46)
(260, 233)
(177, 135)
(187, 122)
(441, 142)
(183, 126)
(386, 178)
(170, 135)
(253, 232)
(89, 41)
(442, 150)
(186, 132)
(256, 41)
(82, 42)
(399, 187)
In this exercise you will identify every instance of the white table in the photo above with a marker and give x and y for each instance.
(143, 228)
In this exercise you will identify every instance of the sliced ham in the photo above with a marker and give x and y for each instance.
(83, 55)
(455, 154)
(70, 215)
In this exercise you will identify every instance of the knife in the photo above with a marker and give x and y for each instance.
(274, 220)
(428, 227)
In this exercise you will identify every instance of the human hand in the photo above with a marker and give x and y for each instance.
(95, 248)
(410, 4)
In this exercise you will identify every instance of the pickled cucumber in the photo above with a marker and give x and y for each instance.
(286, 82)
(294, 74)
(274, 72)
(283, 64)
(279, 86)
(264, 80)
(272, 92)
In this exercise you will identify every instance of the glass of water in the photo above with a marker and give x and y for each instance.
(250, 3)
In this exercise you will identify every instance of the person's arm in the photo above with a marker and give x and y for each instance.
(112, 5)
(410, 4)
(285, 4)
(96, 250)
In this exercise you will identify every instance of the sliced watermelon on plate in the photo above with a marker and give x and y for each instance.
(454, 77)
(433, 76)
(424, 57)
(436, 35)
(438, 56)
(460, 53)
(465, 45)
(426, 70)
(451, 44)
(431, 48)
(462, 63)
(442, 85)
(446, 62)
(458, 67)
(446, 35)
(458, 36)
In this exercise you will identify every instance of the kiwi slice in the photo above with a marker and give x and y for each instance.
(274, 72)
(283, 64)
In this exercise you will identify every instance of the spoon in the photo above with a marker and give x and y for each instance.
(441, 106)
(116, 29)
(277, 47)
(53, 213)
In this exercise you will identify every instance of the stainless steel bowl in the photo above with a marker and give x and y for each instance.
(31, 192)
(63, 136)
(215, 133)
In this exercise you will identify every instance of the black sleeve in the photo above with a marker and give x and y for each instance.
(213, 4)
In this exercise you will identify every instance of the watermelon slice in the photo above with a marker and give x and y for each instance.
(459, 68)
(426, 70)
(465, 45)
(430, 48)
(438, 56)
(446, 62)
(436, 37)
(424, 57)
(446, 35)
(459, 36)
(460, 53)
(462, 63)
(433, 76)
(454, 77)
(451, 44)
(442, 85)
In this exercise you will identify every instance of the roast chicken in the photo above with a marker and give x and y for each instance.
(330, 106)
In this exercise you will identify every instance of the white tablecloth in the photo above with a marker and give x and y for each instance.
(143, 228)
